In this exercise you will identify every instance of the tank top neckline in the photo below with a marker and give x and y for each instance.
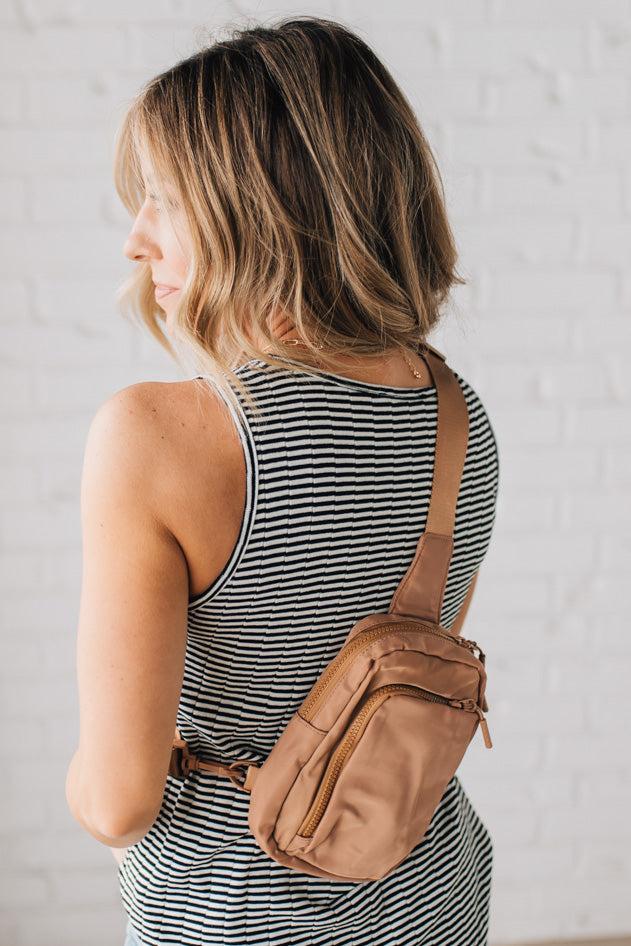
(368, 386)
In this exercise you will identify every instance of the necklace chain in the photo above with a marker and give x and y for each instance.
(415, 372)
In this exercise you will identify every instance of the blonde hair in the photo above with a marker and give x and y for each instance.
(308, 188)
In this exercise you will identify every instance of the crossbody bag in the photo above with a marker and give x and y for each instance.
(353, 781)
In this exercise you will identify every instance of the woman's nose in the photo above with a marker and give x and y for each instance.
(139, 246)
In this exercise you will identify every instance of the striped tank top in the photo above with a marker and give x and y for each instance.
(339, 475)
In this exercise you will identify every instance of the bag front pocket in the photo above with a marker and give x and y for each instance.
(381, 801)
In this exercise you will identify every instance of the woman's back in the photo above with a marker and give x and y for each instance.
(338, 480)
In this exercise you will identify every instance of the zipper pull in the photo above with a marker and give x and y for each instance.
(472, 645)
(482, 655)
(483, 723)
(485, 731)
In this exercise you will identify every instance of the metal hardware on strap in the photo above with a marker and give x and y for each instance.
(183, 762)
(246, 766)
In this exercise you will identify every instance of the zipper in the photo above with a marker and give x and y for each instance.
(336, 762)
(364, 639)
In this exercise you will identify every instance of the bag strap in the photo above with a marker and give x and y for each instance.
(421, 591)
(183, 761)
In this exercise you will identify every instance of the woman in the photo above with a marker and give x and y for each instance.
(290, 236)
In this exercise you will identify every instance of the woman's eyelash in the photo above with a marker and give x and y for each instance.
(156, 201)
(154, 197)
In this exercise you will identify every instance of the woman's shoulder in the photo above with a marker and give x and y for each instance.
(161, 411)
(171, 432)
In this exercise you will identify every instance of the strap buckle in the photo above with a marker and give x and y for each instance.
(182, 761)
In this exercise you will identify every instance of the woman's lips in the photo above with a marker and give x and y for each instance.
(162, 291)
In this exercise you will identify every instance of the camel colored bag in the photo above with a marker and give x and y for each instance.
(352, 783)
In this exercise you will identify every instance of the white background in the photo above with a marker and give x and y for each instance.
(527, 104)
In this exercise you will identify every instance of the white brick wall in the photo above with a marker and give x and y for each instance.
(528, 106)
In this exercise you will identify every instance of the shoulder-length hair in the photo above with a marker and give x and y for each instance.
(307, 187)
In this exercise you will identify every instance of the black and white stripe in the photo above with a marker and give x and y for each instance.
(339, 476)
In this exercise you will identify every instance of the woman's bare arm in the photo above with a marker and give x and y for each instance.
(132, 623)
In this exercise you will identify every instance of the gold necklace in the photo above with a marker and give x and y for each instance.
(417, 374)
